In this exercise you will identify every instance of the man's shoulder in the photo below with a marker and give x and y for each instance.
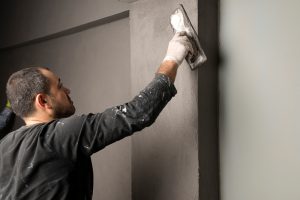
(13, 138)
(20, 132)
(74, 119)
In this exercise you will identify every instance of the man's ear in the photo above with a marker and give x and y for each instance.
(42, 101)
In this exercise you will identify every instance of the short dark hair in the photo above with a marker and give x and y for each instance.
(22, 88)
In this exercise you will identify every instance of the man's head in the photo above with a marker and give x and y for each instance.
(38, 90)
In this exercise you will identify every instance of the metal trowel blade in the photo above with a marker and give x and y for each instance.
(181, 22)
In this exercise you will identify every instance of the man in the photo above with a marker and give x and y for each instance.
(49, 158)
(6, 120)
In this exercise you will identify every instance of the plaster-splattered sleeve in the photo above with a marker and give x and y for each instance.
(90, 133)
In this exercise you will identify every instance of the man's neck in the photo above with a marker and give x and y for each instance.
(37, 120)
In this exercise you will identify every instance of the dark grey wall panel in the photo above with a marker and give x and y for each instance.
(208, 104)
(165, 156)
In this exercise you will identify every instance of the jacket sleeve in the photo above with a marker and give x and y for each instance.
(6, 121)
(90, 133)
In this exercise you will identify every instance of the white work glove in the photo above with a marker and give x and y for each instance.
(178, 48)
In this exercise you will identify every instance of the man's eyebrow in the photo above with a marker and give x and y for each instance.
(58, 84)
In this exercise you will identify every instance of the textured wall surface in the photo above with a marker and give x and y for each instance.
(165, 155)
(260, 95)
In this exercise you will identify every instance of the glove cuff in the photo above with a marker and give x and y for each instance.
(172, 58)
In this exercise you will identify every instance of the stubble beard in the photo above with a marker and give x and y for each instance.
(63, 111)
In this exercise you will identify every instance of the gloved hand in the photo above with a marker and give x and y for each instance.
(178, 48)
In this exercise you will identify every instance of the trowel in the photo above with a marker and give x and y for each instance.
(181, 22)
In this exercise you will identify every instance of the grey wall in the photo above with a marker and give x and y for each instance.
(165, 155)
(260, 95)
(33, 19)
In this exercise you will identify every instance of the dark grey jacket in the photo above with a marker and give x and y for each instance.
(52, 160)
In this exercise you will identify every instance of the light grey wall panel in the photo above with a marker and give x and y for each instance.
(260, 95)
(165, 155)
(95, 65)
